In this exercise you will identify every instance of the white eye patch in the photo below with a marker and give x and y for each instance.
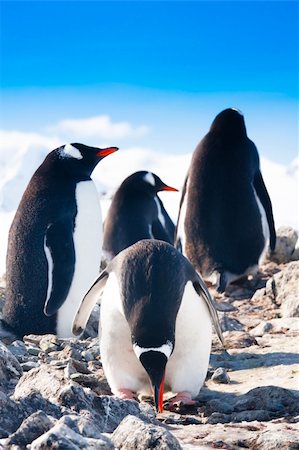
(149, 178)
(238, 111)
(166, 349)
(69, 151)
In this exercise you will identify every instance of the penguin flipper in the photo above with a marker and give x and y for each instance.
(264, 197)
(88, 302)
(60, 254)
(202, 291)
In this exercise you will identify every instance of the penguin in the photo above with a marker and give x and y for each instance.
(155, 333)
(136, 212)
(54, 243)
(225, 216)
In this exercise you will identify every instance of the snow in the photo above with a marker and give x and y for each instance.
(21, 153)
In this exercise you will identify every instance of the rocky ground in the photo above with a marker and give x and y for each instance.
(53, 393)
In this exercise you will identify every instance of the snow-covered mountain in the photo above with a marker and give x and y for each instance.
(22, 153)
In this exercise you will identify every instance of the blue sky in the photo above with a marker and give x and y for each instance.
(171, 66)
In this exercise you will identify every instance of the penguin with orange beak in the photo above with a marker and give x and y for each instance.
(55, 242)
(136, 212)
(155, 324)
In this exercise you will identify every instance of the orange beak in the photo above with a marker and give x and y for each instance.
(107, 151)
(169, 188)
(158, 392)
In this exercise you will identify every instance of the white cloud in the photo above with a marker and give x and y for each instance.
(99, 127)
(21, 153)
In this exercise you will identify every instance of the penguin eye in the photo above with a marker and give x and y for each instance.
(69, 151)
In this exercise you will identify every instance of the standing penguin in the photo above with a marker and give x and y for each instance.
(153, 331)
(136, 213)
(225, 217)
(54, 244)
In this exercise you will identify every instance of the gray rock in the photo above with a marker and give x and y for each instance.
(95, 351)
(46, 380)
(49, 343)
(225, 307)
(12, 418)
(33, 350)
(87, 355)
(32, 339)
(283, 289)
(18, 349)
(6, 335)
(92, 327)
(35, 402)
(249, 416)
(278, 440)
(58, 364)
(69, 352)
(61, 437)
(238, 339)
(28, 365)
(261, 329)
(220, 406)
(269, 398)
(217, 417)
(87, 380)
(9, 366)
(281, 325)
(220, 376)
(295, 254)
(286, 238)
(82, 424)
(290, 307)
(237, 417)
(31, 428)
(133, 433)
(230, 324)
(107, 411)
(69, 370)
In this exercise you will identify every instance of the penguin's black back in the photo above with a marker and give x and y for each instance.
(49, 197)
(152, 282)
(128, 221)
(223, 223)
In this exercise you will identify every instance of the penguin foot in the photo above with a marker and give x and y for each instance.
(126, 394)
(180, 400)
(183, 397)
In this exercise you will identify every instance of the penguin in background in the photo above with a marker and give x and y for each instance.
(225, 217)
(155, 333)
(136, 212)
(54, 243)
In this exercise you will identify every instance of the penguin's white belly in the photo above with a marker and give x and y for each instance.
(187, 366)
(265, 226)
(181, 225)
(121, 366)
(88, 247)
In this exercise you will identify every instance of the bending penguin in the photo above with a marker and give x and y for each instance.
(155, 333)
(54, 244)
(225, 218)
(136, 213)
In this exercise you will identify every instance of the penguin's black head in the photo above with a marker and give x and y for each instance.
(146, 182)
(229, 122)
(82, 159)
(154, 360)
